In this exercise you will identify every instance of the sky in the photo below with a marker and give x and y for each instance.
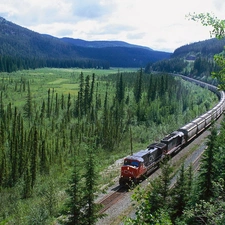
(160, 24)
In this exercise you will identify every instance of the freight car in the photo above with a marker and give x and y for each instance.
(140, 164)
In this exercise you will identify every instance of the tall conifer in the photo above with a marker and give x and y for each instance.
(207, 168)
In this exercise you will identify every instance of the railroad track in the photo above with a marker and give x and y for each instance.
(112, 198)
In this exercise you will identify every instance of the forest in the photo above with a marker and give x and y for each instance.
(61, 127)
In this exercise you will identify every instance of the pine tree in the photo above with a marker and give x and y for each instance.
(120, 89)
(180, 194)
(75, 193)
(28, 109)
(27, 189)
(87, 95)
(42, 115)
(81, 95)
(44, 162)
(34, 154)
(138, 87)
(92, 89)
(160, 192)
(56, 106)
(207, 168)
(49, 104)
(90, 207)
(68, 108)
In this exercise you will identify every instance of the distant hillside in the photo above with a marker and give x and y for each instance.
(206, 48)
(100, 44)
(195, 59)
(17, 41)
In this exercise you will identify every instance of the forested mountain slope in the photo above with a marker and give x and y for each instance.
(206, 48)
(195, 59)
(17, 41)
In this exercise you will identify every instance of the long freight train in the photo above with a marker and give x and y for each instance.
(142, 163)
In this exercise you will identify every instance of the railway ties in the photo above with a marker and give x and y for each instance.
(112, 198)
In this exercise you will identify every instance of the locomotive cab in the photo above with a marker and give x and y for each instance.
(131, 170)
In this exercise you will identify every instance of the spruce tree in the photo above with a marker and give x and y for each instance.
(159, 193)
(180, 193)
(138, 87)
(90, 207)
(48, 104)
(81, 95)
(87, 95)
(120, 89)
(92, 89)
(28, 109)
(27, 188)
(34, 154)
(207, 168)
(74, 205)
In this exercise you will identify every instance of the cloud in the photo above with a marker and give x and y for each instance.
(113, 29)
(136, 36)
(143, 22)
(92, 9)
(219, 5)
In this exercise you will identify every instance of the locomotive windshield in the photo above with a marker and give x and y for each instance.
(131, 163)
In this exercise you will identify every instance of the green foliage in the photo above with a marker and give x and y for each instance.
(218, 31)
(208, 212)
(153, 203)
(74, 202)
(207, 19)
(207, 171)
(33, 150)
(220, 61)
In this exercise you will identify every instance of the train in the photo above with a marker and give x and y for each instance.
(139, 165)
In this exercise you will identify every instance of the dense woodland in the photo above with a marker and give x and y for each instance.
(53, 145)
(11, 64)
(194, 60)
(207, 48)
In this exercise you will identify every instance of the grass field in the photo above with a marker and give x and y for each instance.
(62, 81)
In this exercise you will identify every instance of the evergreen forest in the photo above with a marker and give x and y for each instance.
(60, 128)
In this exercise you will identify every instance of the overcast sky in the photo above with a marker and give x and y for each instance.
(159, 24)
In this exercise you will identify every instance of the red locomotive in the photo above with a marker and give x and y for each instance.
(139, 165)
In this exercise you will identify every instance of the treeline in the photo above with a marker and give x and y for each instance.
(194, 198)
(11, 64)
(199, 68)
(173, 65)
(40, 140)
(207, 48)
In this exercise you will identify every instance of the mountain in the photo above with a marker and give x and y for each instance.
(195, 59)
(207, 48)
(17, 41)
(100, 44)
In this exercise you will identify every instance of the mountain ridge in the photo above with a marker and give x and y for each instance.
(18, 41)
(100, 44)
